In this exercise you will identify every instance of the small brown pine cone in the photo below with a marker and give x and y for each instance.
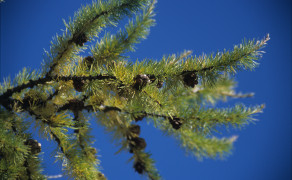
(88, 61)
(76, 131)
(140, 81)
(80, 39)
(76, 105)
(135, 129)
(175, 122)
(137, 143)
(78, 84)
(190, 78)
(139, 167)
(35, 146)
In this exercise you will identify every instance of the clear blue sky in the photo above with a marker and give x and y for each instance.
(263, 150)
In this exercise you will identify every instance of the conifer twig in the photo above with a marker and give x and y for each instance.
(124, 6)
(44, 80)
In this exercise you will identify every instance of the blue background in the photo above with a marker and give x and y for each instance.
(263, 150)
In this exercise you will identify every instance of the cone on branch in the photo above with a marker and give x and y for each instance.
(76, 105)
(175, 122)
(35, 146)
(190, 78)
(139, 167)
(80, 39)
(88, 61)
(140, 81)
(114, 94)
(78, 84)
(137, 143)
(135, 129)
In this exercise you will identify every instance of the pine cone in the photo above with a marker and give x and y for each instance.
(141, 81)
(139, 167)
(190, 78)
(80, 39)
(175, 122)
(76, 131)
(88, 61)
(78, 84)
(137, 143)
(135, 129)
(76, 105)
(35, 146)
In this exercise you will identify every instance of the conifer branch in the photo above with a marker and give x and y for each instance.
(220, 62)
(83, 169)
(156, 101)
(238, 95)
(220, 90)
(47, 79)
(208, 68)
(87, 151)
(15, 151)
(110, 47)
(202, 146)
(53, 95)
(82, 28)
(172, 92)
(130, 140)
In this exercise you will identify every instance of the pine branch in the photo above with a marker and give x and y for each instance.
(207, 120)
(111, 46)
(234, 117)
(201, 146)
(172, 92)
(88, 22)
(32, 83)
(87, 152)
(239, 95)
(208, 73)
(75, 164)
(220, 90)
(242, 56)
(130, 140)
(17, 150)
(207, 68)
